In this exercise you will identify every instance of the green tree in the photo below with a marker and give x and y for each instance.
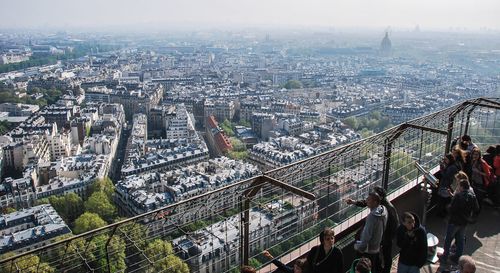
(164, 260)
(134, 234)
(116, 250)
(237, 144)
(293, 84)
(254, 263)
(238, 155)
(69, 206)
(99, 204)
(352, 122)
(376, 115)
(28, 264)
(8, 210)
(88, 221)
(105, 185)
(95, 251)
(245, 123)
(372, 124)
(42, 201)
(227, 126)
(402, 169)
(366, 133)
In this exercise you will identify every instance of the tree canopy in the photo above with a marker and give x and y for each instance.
(95, 251)
(50, 96)
(227, 126)
(374, 122)
(105, 185)
(99, 204)
(164, 260)
(293, 84)
(68, 206)
(88, 221)
(28, 264)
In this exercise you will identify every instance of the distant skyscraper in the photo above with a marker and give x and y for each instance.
(386, 45)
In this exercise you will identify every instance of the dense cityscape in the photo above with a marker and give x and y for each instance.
(99, 127)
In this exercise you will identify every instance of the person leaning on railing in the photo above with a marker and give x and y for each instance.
(390, 229)
(370, 240)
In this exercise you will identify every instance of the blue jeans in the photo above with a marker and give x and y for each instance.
(454, 232)
(402, 268)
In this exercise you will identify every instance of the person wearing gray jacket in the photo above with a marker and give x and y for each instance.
(371, 236)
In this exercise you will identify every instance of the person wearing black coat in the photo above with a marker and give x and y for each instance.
(411, 238)
(446, 176)
(325, 258)
(463, 205)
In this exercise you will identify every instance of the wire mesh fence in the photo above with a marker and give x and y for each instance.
(282, 210)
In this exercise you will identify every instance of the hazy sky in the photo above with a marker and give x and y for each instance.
(429, 14)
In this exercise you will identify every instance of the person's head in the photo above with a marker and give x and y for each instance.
(408, 221)
(466, 264)
(327, 237)
(299, 265)
(380, 191)
(364, 266)
(497, 150)
(449, 159)
(466, 139)
(461, 175)
(491, 150)
(476, 154)
(463, 185)
(247, 269)
(373, 200)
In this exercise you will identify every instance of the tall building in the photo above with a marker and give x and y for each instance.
(180, 125)
(221, 109)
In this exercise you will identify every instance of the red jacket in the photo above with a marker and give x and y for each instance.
(487, 171)
(496, 165)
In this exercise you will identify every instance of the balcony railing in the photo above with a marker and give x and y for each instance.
(282, 210)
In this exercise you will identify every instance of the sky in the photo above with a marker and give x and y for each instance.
(428, 14)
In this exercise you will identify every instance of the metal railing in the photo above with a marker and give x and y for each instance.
(282, 210)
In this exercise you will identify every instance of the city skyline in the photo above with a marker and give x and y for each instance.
(193, 14)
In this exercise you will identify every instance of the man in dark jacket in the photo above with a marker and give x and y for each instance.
(326, 257)
(390, 229)
(463, 205)
(412, 239)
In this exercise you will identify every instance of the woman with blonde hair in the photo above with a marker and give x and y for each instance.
(460, 157)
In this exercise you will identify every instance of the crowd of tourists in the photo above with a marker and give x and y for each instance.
(468, 179)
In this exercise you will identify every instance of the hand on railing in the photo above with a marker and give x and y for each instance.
(267, 254)
(350, 201)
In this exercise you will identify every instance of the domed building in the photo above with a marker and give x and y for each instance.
(386, 45)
